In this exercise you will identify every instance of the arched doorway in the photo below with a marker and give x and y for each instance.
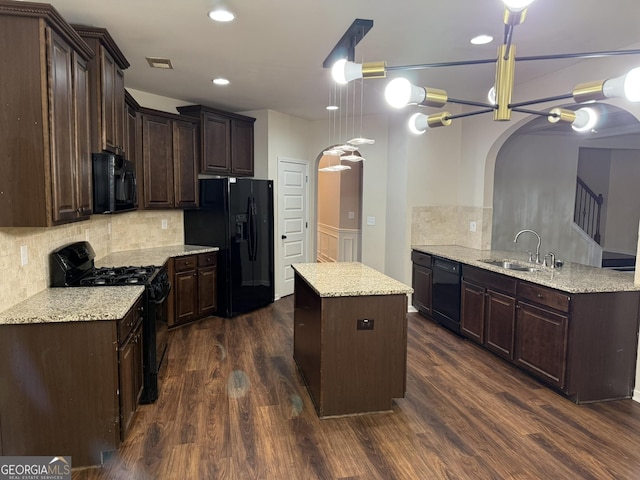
(339, 210)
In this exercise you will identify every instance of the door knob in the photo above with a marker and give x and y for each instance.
(283, 237)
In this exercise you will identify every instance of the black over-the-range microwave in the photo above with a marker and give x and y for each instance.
(114, 183)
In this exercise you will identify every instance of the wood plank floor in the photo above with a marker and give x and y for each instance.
(232, 406)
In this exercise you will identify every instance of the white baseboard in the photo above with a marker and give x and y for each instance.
(412, 309)
(636, 396)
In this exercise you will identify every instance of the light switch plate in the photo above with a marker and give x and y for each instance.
(24, 255)
(164, 224)
(472, 226)
(371, 220)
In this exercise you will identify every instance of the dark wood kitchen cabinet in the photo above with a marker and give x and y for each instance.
(106, 74)
(226, 141)
(130, 378)
(542, 332)
(488, 309)
(421, 281)
(72, 391)
(44, 117)
(195, 287)
(133, 136)
(169, 160)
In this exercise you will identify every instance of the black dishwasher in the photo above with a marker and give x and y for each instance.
(446, 293)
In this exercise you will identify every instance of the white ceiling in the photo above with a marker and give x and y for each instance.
(273, 51)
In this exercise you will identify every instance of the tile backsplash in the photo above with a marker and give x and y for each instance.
(106, 233)
(451, 225)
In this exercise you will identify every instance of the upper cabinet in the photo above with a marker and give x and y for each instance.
(169, 159)
(45, 156)
(226, 141)
(107, 94)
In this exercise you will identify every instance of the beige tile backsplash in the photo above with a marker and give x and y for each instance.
(106, 233)
(449, 225)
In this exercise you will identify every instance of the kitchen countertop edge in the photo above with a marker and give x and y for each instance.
(570, 278)
(83, 304)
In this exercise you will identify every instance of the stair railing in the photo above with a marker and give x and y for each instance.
(587, 210)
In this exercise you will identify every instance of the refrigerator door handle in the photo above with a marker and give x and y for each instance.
(253, 230)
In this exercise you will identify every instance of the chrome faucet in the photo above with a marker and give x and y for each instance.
(515, 240)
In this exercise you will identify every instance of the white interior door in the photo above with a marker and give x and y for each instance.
(292, 213)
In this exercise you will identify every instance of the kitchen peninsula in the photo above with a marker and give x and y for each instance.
(574, 327)
(350, 337)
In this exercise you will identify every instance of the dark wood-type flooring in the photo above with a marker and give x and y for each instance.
(232, 406)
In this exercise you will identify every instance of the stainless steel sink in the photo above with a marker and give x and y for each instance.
(510, 265)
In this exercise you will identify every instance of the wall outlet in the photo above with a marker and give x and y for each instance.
(24, 255)
(472, 226)
(109, 228)
(352, 215)
(164, 224)
(364, 324)
(86, 234)
(371, 221)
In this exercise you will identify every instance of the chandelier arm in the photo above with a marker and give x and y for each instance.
(534, 112)
(421, 66)
(562, 56)
(541, 100)
(469, 114)
(469, 102)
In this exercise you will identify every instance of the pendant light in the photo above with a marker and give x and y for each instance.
(335, 151)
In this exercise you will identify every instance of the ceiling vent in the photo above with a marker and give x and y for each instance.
(157, 62)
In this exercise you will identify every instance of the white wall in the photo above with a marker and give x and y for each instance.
(624, 202)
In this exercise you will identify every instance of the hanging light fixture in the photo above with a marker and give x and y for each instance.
(334, 151)
(400, 92)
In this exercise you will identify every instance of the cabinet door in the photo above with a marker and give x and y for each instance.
(421, 281)
(131, 145)
(472, 311)
(185, 161)
(207, 290)
(541, 343)
(130, 360)
(108, 69)
(62, 138)
(157, 158)
(186, 295)
(500, 317)
(242, 148)
(216, 144)
(119, 116)
(83, 137)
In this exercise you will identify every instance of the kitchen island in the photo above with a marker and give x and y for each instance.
(350, 337)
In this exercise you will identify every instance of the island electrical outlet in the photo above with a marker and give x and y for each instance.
(364, 324)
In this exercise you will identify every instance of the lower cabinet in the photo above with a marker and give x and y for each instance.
(71, 390)
(421, 281)
(488, 310)
(541, 343)
(195, 287)
(130, 366)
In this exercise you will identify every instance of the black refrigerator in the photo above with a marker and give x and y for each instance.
(237, 216)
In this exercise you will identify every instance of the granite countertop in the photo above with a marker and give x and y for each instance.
(571, 277)
(348, 279)
(73, 304)
(150, 256)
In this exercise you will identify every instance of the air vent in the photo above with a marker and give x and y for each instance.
(157, 62)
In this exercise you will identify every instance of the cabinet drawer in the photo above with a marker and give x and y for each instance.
(130, 320)
(207, 259)
(492, 280)
(422, 259)
(182, 264)
(544, 296)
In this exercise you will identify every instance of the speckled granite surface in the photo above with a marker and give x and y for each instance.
(73, 304)
(94, 303)
(150, 256)
(571, 277)
(348, 279)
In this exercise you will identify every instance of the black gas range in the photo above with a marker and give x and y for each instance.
(73, 265)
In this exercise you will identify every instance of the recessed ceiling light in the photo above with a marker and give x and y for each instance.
(332, 107)
(221, 15)
(482, 39)
(158, 62)
(221, 81)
